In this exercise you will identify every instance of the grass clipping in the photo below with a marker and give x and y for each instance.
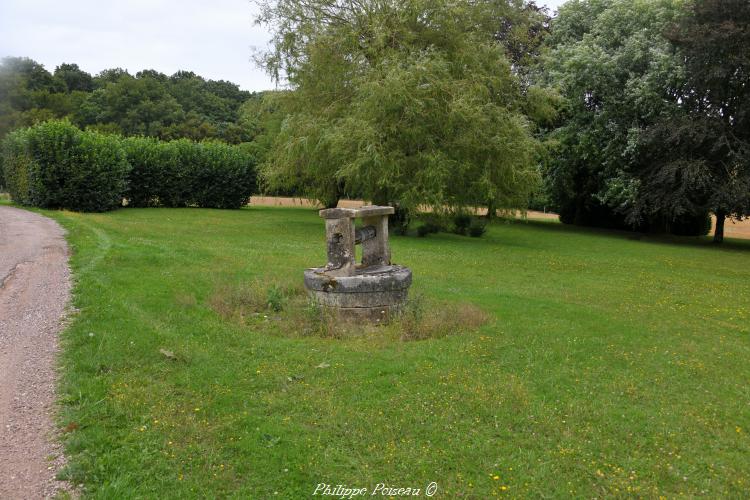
(294, 313)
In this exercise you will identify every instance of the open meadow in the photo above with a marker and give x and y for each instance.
(610, 365)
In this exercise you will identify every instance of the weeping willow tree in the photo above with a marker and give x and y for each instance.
(414, 102)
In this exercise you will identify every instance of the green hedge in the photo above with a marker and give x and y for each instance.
(156, 178)
(184, 173)
(56, 165)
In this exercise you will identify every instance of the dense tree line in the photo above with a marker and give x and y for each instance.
(655, 128)
(150, 103)
(634, 111)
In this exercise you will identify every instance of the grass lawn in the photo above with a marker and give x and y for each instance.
(612, 366)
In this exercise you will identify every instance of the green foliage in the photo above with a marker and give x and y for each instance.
(477, 228)
(612, 65)
(429, 226)
(654, 135)
(461, 223)
(184, 105)
(414, 103)
(16, 163)
(56, 165)
(697, 157)
(29, 94)
(185, 173)
(221, 176)
(275, 298)
(262, 116)
(74, 77)
(157, 177)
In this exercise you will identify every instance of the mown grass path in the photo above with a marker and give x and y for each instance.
(613, 365)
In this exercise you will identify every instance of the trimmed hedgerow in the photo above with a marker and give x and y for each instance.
(56, 165)
(155, 177)
(222, 176)
(184, 173)
(16, 160)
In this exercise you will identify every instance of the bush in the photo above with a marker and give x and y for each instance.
(16, 166)
(431, 224)
(222, 176)
(400, 220)
(477, 228)
(184, 173)
(461, 223)
(691, 225)
(56, 165)
(155, 178)
(424, 230)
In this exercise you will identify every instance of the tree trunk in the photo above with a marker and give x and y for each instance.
(491, 210)
(719, 231)
(332, 198)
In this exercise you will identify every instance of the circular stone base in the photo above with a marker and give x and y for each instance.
(373, 293)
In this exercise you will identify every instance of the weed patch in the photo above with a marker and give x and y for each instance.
(300, 316)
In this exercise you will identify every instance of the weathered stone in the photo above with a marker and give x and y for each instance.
(340, 240)
(364, 280)
(366, 299)
(373, 290)
(375, 251)
(363, 234)
(338, 213)
(376, 315)
(374, 210)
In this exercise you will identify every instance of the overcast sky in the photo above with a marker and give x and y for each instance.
(215, 39)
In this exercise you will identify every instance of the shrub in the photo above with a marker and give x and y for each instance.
(184, 173)
(423, 230)
(477, 228)
(692, 225)
(56, 165)
(461, 223)
(400, 220)
(221, 176)
(431, 224)
(155, 178)
(16, 166)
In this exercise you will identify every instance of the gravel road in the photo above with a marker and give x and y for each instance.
(34, 292)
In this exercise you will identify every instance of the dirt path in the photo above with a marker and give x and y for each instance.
(34, 291)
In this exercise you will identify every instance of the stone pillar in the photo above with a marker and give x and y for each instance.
(375, 251)
(340, 239)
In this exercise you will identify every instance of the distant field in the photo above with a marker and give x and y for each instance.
(612, 366)
(732, 229)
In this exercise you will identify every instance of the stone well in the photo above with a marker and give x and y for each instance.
(372, 290)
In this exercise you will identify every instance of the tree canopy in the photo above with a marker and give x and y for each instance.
(654, 134)
(413, 103)
(184, 105)
(698, 156)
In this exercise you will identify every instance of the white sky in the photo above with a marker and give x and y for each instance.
(214, 39)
